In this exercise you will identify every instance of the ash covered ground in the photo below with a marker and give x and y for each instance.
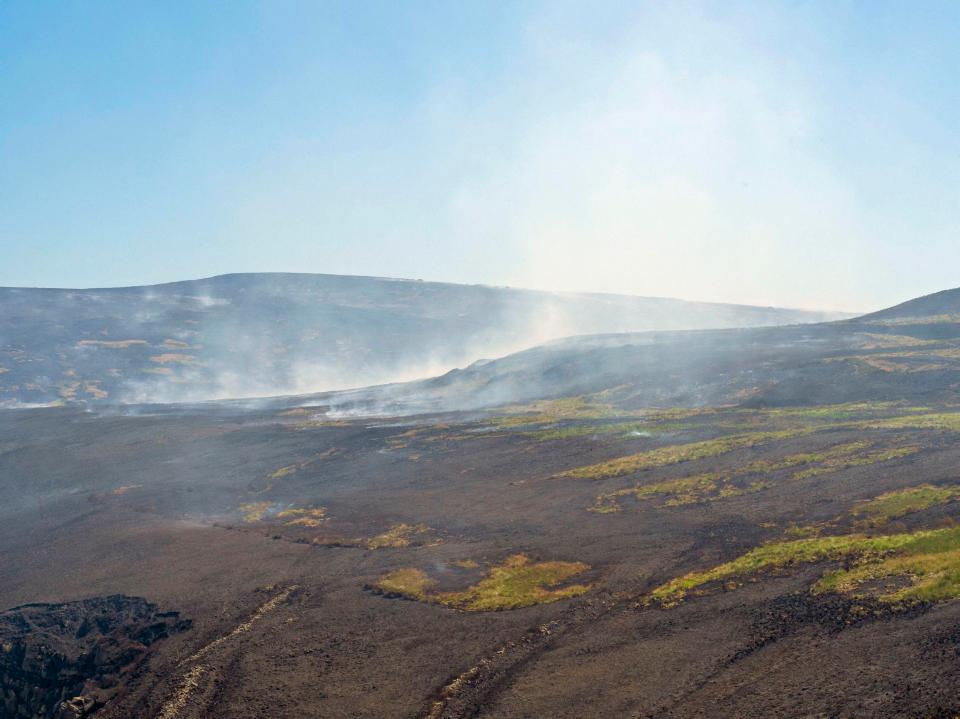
(739, 523)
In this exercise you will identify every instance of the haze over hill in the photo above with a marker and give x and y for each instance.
(907, 351)
(259, 334)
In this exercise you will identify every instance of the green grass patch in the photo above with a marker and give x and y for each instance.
(580, 416)
(936, 420)
(878, 511)
(409, 582)
(781, 554)
(675, 454)
(833, 412)
(830, 454)
(916, 577)
(710, 486)
(611, 428)
(837, 464)
(684, 490)
(400, 535)
(927, 563)
(516, 583)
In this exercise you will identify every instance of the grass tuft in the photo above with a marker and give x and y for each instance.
(400, 535)
(409, 582)
(517, 582)
(254, 511)
(301, 517)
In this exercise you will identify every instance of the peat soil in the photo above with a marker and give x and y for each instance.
(194, 512)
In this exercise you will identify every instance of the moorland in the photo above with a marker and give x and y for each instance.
(738, 522)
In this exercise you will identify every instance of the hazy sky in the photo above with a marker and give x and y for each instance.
(796, 153)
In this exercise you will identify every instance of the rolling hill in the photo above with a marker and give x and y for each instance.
(910, 351)
(268, 334)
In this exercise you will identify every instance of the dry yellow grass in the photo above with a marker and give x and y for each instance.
(674, 454)
(878, 511)
(112, 344)
(188, 685)
(293, 468)
(303, 517)
(255, 511)
(93, 389)
(517, 582)
(400, 535)
(712, 486)
(875, 341)
(283, 471)
(173, 358)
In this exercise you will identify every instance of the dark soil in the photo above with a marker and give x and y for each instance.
(59, 661)
(154, 503)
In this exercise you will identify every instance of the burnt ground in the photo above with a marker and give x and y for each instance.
(183, 509)
(70, 659)
(245, 335)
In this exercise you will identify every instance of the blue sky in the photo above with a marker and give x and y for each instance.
(795, 153)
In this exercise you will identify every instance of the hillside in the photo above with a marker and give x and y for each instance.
(937, 307)
(888, 355)
(269, 334)
(722, 523)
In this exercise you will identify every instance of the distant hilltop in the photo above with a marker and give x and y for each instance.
(243, 335)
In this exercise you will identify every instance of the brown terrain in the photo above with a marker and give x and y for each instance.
(741, 523)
